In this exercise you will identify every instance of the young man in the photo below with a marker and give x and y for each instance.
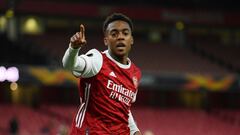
(109, 80)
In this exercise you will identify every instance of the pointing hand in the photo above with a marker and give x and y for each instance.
(78, 40)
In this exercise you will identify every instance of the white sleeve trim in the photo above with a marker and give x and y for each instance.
(131, 124)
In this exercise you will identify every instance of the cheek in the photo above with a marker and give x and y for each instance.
(129, 47)
(110, 41)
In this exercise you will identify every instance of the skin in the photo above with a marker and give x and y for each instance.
(137, 133)
(118, 38)
(78, 40)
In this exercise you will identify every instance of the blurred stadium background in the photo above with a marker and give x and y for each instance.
(188, 50)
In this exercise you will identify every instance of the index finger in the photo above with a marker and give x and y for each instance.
(82, 30)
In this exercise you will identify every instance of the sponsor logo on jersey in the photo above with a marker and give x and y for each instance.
(120, 93)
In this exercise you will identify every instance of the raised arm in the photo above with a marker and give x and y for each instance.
(70, 60)
(83, 65)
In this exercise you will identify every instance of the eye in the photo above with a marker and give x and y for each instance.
(125, 33)
(113, 34)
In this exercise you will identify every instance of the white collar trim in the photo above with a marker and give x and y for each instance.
(118, 63)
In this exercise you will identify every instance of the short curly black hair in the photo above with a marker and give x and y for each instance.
(114, 17)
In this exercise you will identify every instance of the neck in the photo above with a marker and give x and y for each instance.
(120, 59)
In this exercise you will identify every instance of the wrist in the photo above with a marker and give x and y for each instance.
(74, 46)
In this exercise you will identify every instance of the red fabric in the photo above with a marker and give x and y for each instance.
(109, 101)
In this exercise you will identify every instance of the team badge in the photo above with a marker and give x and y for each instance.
(135, 81)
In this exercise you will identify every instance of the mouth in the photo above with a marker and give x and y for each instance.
(120, 45)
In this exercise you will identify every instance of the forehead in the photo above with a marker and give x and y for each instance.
(118, 25)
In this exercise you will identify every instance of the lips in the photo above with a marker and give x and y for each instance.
(120, 45)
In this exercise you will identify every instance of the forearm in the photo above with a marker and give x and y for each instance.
(71, 61)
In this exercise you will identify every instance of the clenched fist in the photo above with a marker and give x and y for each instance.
(78, 39)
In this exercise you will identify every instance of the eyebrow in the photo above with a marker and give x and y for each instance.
(125, 29)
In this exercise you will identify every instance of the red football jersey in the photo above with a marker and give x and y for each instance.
(106, 99)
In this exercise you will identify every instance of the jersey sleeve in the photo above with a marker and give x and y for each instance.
(93, 63)
(85, 65)
(131, 124)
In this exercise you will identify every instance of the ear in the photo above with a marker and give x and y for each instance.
(132, 40)
(105, 41)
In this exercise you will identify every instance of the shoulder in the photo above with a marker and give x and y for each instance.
(93, 52)
(93, 55)
(94, 61)
(135, 67)
(136, 71)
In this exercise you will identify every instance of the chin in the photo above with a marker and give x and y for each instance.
(121, 53)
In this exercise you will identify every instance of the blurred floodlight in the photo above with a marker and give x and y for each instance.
(154, 36)
(12, 74)
(9, 13)
(2, 73)
(31, 25)
(179, 25)
(13, 86)
(3, 23)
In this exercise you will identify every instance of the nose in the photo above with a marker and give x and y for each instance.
(120, 36)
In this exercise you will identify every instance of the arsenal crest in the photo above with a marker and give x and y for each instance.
(135, 81)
